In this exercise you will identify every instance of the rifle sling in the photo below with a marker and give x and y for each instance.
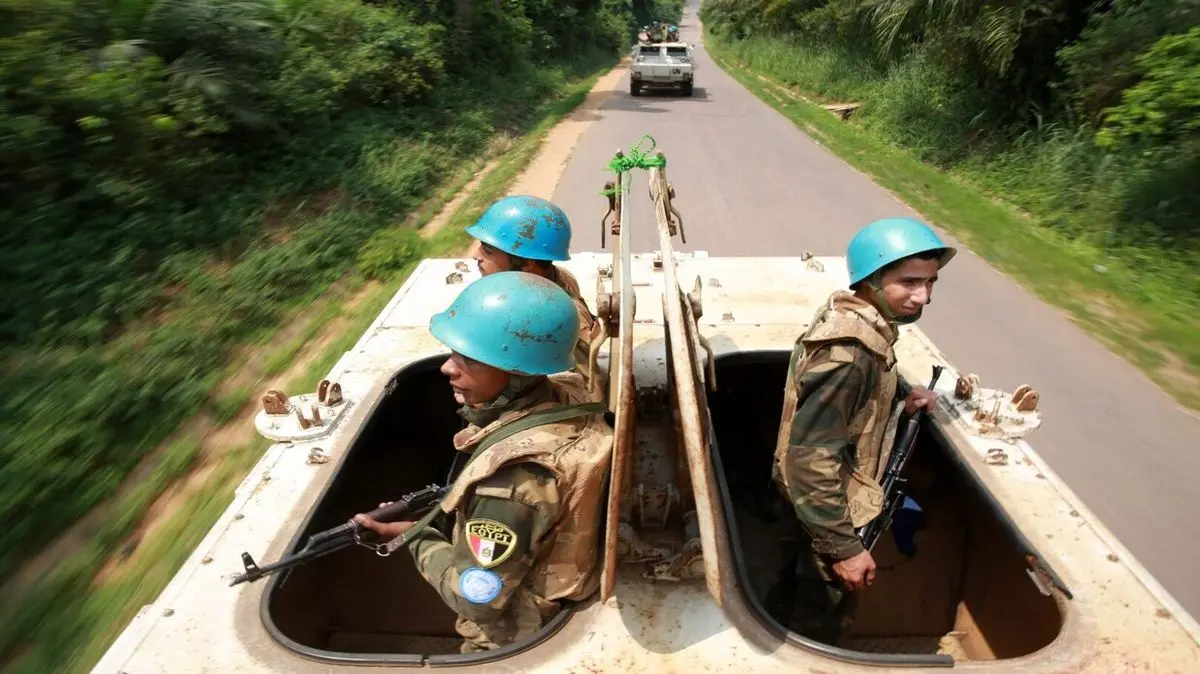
(531, 420)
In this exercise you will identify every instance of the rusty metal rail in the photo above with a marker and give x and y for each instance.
(682, 336)
(617, 309)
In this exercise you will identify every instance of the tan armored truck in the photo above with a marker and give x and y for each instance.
(1013, 573)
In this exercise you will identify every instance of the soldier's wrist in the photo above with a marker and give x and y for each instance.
(848, 549)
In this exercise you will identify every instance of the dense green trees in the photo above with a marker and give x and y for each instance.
(175, 175)
(1083, 112)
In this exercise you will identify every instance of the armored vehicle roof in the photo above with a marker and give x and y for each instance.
(1013, 572)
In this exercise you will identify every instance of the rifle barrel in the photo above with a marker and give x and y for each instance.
(330, 540)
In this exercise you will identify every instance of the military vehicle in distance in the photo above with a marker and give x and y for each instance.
(1013, 573)
(661, 65)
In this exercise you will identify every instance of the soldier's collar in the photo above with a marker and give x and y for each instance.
(522, 393)
(849, 302)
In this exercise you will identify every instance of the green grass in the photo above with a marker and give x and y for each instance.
(228, 405)
(64, 623)
(1142, 305)
(280, 360)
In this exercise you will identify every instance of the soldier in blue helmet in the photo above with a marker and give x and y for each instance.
(526, 509)
(528, 234)
(842, 404)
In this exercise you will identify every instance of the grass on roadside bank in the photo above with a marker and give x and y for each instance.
(1147, 317)
(66, 621)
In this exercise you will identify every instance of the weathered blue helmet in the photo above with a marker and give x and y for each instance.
(885, 241)
(513, 321)
(525, 226)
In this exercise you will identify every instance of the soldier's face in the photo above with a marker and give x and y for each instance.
(909, 285)
(473, 382)
(491, 259)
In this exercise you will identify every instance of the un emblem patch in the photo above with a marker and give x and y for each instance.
(479, 586)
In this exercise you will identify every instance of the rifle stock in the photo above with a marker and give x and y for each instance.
(322, 543)
(893, 495)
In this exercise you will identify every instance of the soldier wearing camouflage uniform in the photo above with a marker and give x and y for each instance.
(841, 409)
(524, 233)
(527, 506)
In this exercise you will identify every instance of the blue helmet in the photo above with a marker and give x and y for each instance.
(885, 241)
(513, 321)
(525, 226)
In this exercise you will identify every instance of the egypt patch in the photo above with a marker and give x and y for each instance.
(490, 541)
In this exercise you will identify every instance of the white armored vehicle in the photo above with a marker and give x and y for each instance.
(1013, 573)
(662, 65)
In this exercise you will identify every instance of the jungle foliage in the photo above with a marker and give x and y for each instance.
(177, 176)
(1084, 113)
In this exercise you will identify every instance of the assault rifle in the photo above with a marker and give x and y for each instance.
(893, 495)
(322, 543)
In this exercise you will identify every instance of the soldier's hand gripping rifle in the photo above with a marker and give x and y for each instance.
(893, 495)
(322, 543)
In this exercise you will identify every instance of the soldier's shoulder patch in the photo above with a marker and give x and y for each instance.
(479, 586)
(491, 542)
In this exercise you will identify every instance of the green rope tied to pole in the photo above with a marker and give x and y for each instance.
(637, 158)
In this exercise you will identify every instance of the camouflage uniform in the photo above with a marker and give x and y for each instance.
(527, 520)
(589, 326)
(837, 428)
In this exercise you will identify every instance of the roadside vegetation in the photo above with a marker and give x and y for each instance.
(193, 189)
(1059, 138)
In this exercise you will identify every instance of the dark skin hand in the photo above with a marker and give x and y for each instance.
(386, 530)
(919, 398)
(856, 572)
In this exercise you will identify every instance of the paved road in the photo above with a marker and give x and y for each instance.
(748, 182)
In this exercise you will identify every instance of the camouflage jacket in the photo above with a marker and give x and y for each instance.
(839, 423)
(527, 515)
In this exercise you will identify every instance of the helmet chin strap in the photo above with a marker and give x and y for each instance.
(518, 385)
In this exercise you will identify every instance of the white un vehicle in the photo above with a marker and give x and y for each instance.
(1013, 575)
(662, 64)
